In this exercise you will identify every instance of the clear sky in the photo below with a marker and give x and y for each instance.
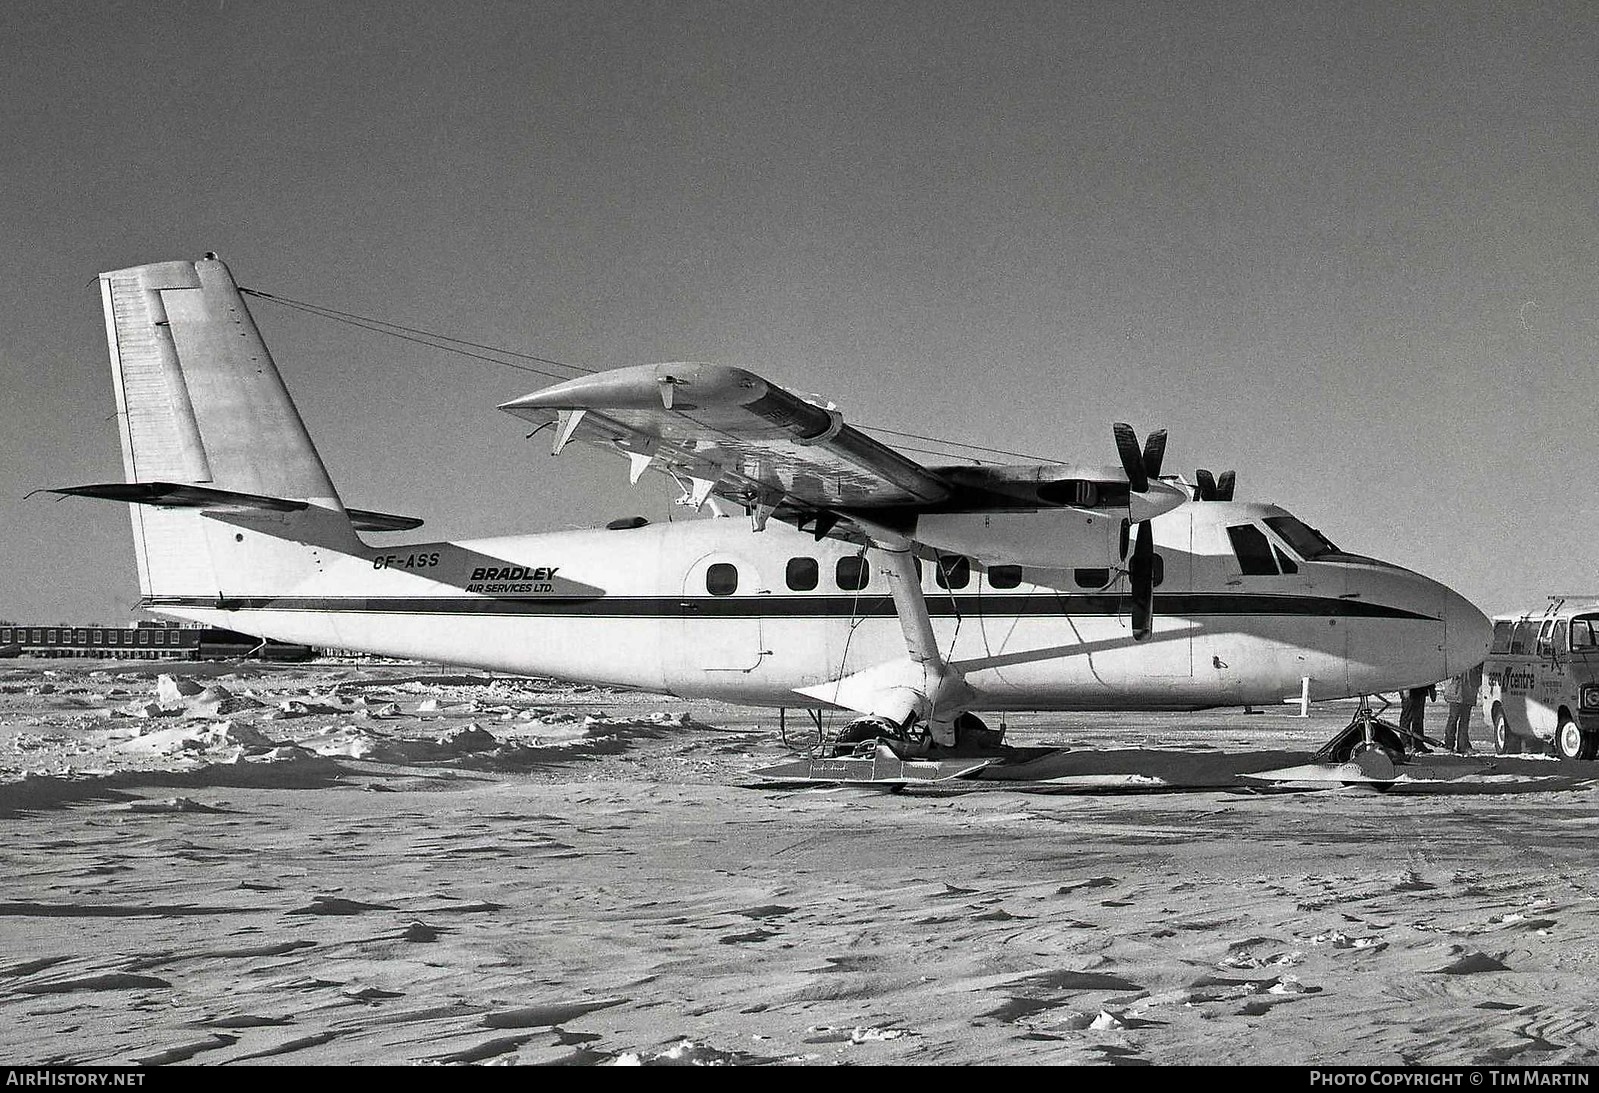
(1347, 249)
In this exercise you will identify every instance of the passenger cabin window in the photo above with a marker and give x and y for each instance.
(1157, 570)
(852, 573)
(802, 574)
(1091, 578)
(1252, 550)
(721, 579)
(952, 571)
(1004, 576)
(1501, 639)
(1551, 637)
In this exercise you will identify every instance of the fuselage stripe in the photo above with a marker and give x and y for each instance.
(1038, 605)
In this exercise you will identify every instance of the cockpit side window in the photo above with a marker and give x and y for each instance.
(1306, 541)
(1284, 561)
(1252, 550)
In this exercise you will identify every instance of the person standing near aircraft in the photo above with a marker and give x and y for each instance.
(1413, 709)
(1461, 694)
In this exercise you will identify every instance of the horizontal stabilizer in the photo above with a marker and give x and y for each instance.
(178, 495)
(366, 520)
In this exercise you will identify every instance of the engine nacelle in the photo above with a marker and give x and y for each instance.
(1061, 538)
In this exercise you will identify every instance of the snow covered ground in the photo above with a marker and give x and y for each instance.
(340, 863)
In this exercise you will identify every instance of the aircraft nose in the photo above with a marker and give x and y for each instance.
(1467, 632)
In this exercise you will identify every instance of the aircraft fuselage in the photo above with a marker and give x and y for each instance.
(708, 608)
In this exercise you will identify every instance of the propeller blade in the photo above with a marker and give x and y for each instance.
(1154, 452)
(1132, 458)
(1224, 485)
(1206, 484)
(1141, 576)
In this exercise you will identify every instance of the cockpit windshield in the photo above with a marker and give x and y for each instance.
(1307, 542)
(1585, 634)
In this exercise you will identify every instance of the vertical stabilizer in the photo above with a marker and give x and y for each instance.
(200, 402)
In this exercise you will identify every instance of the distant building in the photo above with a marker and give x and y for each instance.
(143, 641)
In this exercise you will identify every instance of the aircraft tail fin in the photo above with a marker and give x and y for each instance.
(200, 404)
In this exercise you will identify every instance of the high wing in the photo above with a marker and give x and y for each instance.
(726, 431)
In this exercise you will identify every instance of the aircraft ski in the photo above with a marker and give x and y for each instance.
(915, 596)
(870, 764)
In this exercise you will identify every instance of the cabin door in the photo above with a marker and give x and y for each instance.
(723, 598)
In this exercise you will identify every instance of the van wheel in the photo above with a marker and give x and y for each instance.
(1572, 743)
(1505, 741)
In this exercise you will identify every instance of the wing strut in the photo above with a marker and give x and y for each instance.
(922, 685)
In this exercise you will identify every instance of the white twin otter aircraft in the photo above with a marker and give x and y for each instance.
(913, 596)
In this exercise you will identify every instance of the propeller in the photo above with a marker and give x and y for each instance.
(1218, 488)
(1141, 576)
(1142, 465)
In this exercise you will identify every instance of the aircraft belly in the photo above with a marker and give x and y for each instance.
(1262, 659)
(1085, 654)
(720, 644)
(559, 646)
(1382, 650)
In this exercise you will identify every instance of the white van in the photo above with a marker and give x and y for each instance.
(1540, 685)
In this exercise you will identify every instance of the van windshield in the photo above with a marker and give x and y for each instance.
(1585, 634)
